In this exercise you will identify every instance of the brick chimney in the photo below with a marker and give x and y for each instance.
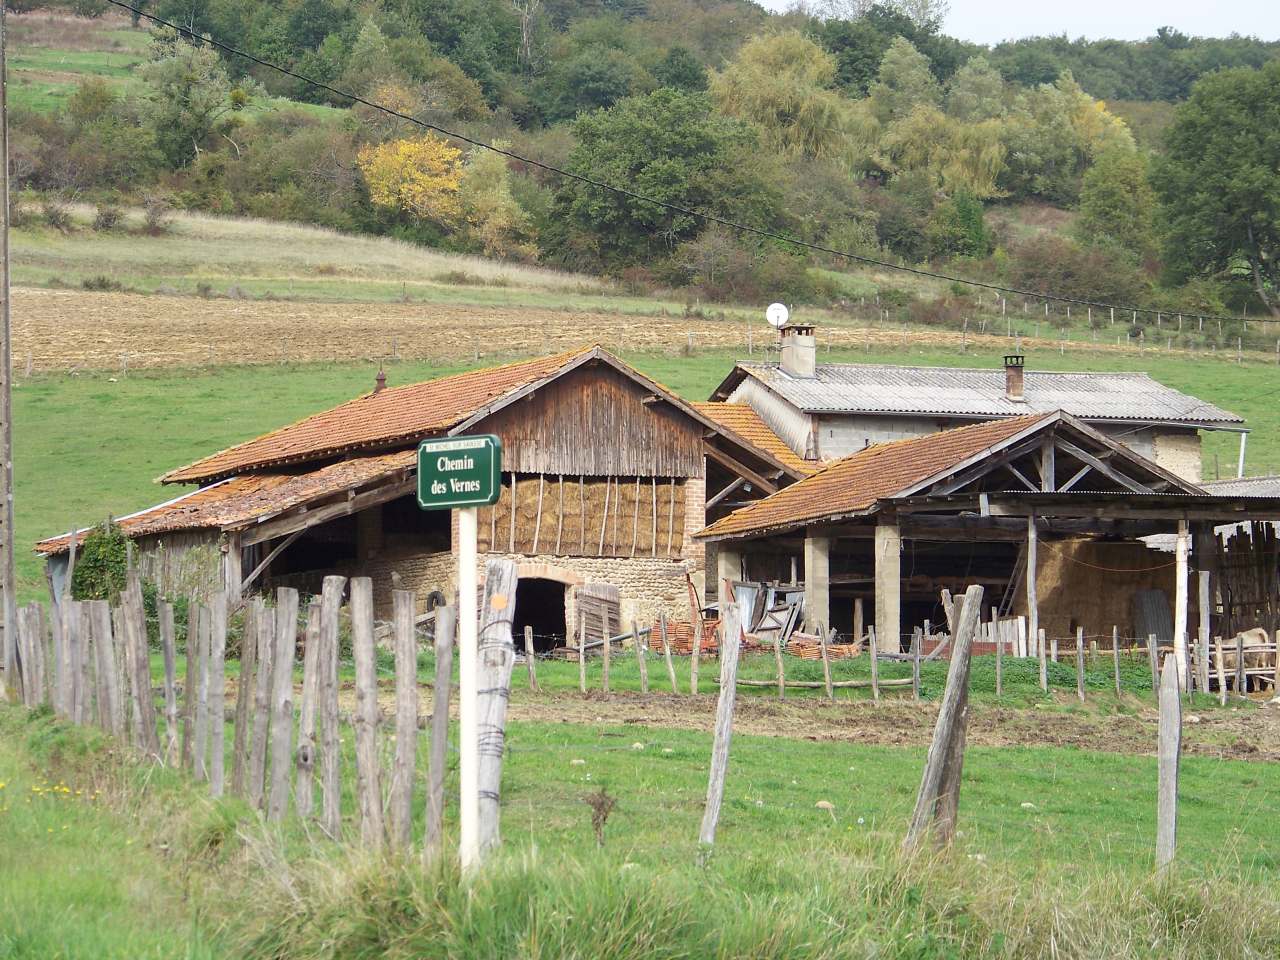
(799, 350)
(380, 381)
(1013, 377)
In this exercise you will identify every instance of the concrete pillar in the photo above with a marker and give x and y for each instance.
(817, 582)
(728, 567)
(888, 585)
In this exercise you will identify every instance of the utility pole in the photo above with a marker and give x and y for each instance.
(8, 584)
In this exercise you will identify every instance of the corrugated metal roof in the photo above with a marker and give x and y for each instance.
(1245, 486)
(741, 419)
(962, 392)
(854, 483)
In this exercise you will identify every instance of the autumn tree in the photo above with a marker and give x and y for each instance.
(420, 177)
(976, 92)
(1117, 203)
(903, 83)
(497, 220)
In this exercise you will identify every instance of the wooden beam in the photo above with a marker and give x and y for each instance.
(1018, 473)
(734, 485)
(1048, 466)
(741, 469)
(285, 524)
(983, 467)
(266, 561)
(1076, 478)
(1105, 469)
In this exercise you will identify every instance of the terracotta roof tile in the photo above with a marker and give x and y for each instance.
(743, 420)
(397, 415)
(240, 500)
(854, 483)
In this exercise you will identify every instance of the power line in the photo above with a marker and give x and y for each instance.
(665, 204)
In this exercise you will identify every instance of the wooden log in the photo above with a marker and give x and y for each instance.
(286, 642)
(781, 673)
(582, 651)
(244, 694)
(821, 685)
(217, 691)
(695, 652)
(1115, 656)
(200, 763)
(1241, 683)
(304, 783)
(1080, 663)
(1222, 672)
(730, 647)
(666, 651)
(446, 621)
(110, 712)
(872, 646)
(189, 686)
(606, 650)
(368, 774)
(400, 812)
(916, 643)
(858, 629)
(824, 640)
(529, 659)
(1044, 662)
(1170, 746)
(1053, 649)
(999, 662)
(496, 658)
(257, 772)
(330, 750)
(638, 644)
(168, 651)
(1153, 660)
(948, 808)
(944, 762)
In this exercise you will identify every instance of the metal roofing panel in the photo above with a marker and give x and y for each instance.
(966, 392)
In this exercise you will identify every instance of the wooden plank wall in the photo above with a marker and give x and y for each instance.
(586, 517)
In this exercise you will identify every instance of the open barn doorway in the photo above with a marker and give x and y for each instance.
(540, 605)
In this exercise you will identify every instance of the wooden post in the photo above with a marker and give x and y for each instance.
(262, 708)
(823, 640)
(858, 615)
(1241, 683)
(606, 650)
(778, 667)
(638, 644)
(666, 652)
(1044, 662)
(1181, 548)
(169, 653)
(244, 693)
(1033, 599)
(108, 690)
(189, 686)
(201, 768)
(368, 779)
(944, 762)
(87, 692)
(217, 691)
(999, 637)
(497, 656)
(1222, 672)
(1170, 746)
(1053, 649)
(916, 642)
(695, 622)
(582, 651)
(304, 785)
(872, 649)
(1080, 663)
(406, 649)
(528, 659)
(1115, 655)
(1203, 605)
(282, 701)
(730, 648)
(446, 619)
(330, 751)
(1151, 656)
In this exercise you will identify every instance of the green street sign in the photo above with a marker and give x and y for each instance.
(459, 472)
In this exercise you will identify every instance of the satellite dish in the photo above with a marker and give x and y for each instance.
(777, 315)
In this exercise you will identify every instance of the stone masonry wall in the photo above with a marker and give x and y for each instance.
(1179, 452)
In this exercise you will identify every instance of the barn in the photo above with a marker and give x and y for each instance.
(606, 477)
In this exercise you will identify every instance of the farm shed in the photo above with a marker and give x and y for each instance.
(890, 526)
(606, 476)
(824, 411)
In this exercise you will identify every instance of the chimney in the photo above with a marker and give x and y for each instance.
(1013, 377)
(799, 350)
(380, 381)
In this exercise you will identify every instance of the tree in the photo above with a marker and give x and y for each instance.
(594, 79)
(976, 92)
(369, 63)
(679, 68)
(1219, 182)
(903, 82)
(1117, 203)
(499, 223)
(420, 177)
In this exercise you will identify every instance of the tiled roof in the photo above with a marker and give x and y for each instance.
(942, 391)
(854, 484)
(241, 500)
(394, 416)
(741, 419)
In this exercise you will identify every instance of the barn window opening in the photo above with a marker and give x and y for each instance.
(540, 605)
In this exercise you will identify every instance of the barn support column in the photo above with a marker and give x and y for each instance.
(728, 569)
(1204, 550)
(1182, 548)
(817, 582)
(232, 572)
(888, 585)
(1033, 599)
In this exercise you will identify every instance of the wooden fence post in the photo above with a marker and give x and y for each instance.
(1170, 745)
(87, 686)
(666, 652)
(823, 640)
(304, 786)
(189, 686)
(368, 774)
(400, 805)
(282, 702)
(937, 803)
(244, 694)
(778, 664)
(1241, 683)
(1044, 661)
(110, 714)
(607, 652)
(497, 655)
(999, 638)
(201, 770)
(1222, 672)
(262, 708)
(582, 651)
(169, 653)
(730, 647)
(529, 660)
(695, 652)
(1154, 660)
(641, 662)
(446, 621)
(872, 649)
(135, 617)
(1115, 655)
(217, 691)
(1080, 663)
(917, 641)
(330, 753)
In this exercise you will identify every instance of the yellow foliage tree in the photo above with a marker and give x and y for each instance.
(497, 220)
(957, 156)
(420, 176)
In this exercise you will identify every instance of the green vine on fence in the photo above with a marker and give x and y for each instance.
(101, 564)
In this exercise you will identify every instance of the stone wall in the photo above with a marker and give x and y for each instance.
(1179, 452)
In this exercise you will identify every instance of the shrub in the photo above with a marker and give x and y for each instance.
(101, 563)
(156, 213)
(942, 312)
(57, 213)
(107, 217)
(1048, 263)
(102, 283)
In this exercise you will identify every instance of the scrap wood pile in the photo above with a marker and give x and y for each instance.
(680, 635)
(809, 647)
